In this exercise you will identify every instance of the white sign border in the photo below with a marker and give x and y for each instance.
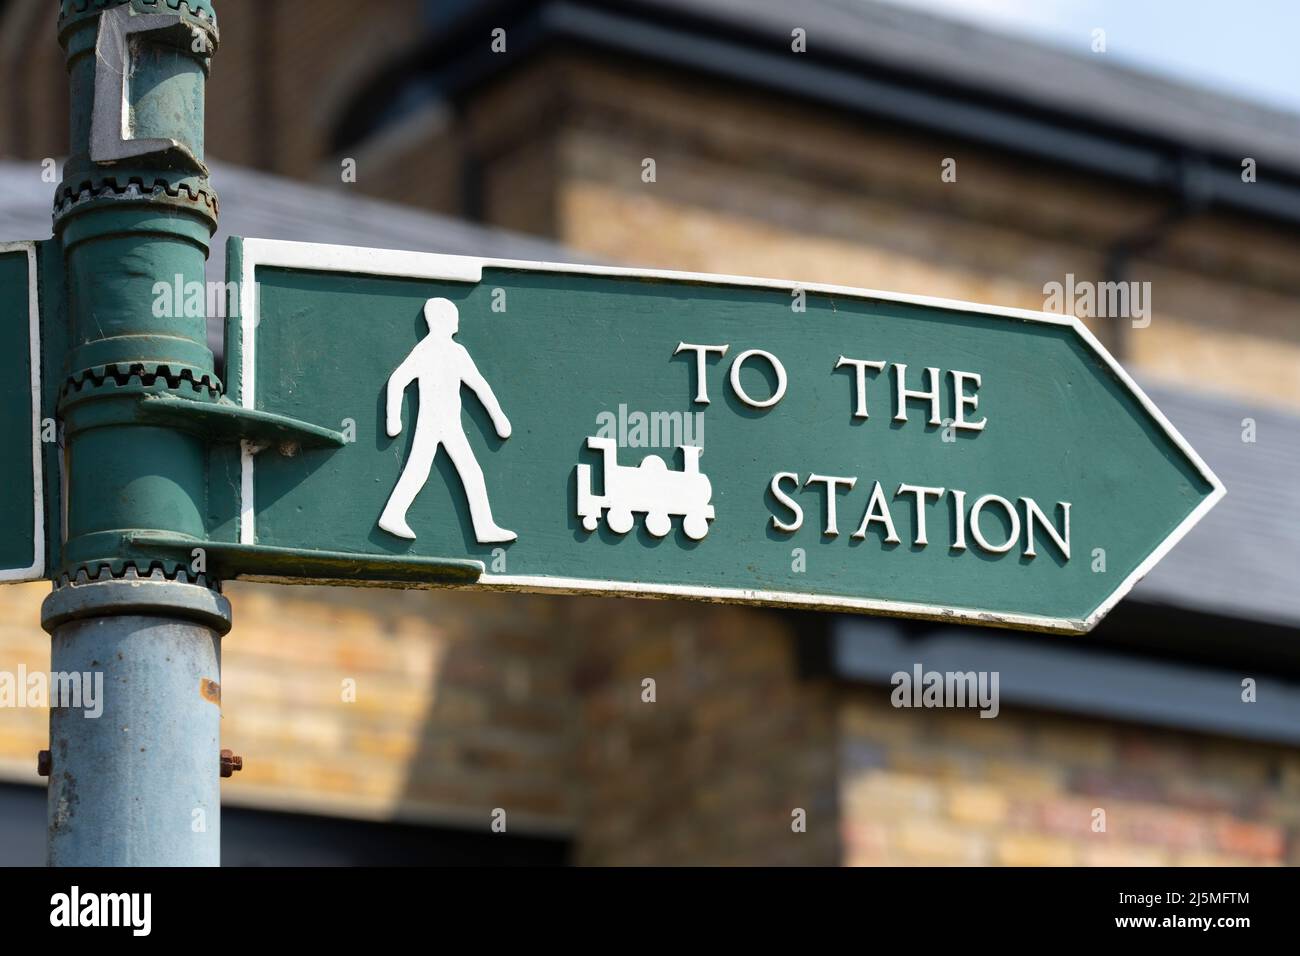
(36, 571)
(317, 257)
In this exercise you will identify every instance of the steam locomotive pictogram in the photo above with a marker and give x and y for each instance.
(650, 488)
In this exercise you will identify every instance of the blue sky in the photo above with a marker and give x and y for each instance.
(1246, 48)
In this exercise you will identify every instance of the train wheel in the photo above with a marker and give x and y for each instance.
(658, 524)
(619, 520)
(696, 527)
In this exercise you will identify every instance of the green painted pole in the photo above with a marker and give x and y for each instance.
(137, 784)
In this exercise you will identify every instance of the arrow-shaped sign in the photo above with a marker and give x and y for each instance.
(589, 429)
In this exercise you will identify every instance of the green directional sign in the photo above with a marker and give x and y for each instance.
(22, 514)
(582, 429)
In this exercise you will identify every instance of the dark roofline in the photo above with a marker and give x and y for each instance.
(1197, 171)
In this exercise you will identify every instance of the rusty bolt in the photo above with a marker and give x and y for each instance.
(43, 763)
(230, 763)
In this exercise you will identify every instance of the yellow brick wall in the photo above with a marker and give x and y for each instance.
(465, 703)
(713, 770)
(23, 730)
(746, 184)
(949, 787)
(321, 55)
(33, 84)
(461, 704)
(534, 704)
(755, 185)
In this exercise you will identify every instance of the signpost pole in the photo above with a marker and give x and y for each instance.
(136, 783)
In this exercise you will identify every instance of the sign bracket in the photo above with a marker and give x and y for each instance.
(217, 421)
(259, 562)
(112, 134)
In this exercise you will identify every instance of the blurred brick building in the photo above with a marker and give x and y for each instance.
(823, 165)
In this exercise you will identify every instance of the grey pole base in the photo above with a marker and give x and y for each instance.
(134, 762)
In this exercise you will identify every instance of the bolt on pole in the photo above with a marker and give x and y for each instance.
(139, 784)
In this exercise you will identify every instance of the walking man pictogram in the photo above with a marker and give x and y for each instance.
(439, 366)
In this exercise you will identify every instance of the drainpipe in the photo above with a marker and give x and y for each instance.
(1191, 197)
